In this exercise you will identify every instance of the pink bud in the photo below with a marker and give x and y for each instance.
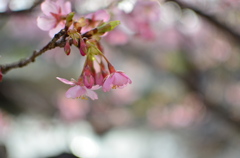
(88, 78)
(67, 48)
(83, 47)
(75, 42)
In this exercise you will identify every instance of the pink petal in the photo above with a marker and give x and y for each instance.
(99, 15)
(107, 85)
(88, 81)
(75, 92)
(65, 81)
(99, 79)
(55, 30)
(91, 94)
(129, 80)
(49, 7)
(95, 87)
(67, 8)
(46, 23)
(120, 79)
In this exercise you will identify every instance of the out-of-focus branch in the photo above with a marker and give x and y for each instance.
(10, 12)
(211, 19)
(55, 42)
(192, 81)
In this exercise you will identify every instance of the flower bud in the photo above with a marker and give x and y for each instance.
(67, 47)
(88, 78)
(83, 47)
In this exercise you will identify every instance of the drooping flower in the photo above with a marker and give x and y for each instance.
(117, 79)
(79, 90)
(54, 16)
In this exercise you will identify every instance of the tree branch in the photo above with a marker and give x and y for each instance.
(24, 62)
(210, 19)
(192, 82)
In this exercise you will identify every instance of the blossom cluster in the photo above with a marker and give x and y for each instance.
(85, 33)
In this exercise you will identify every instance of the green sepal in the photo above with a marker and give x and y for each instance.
(106, 27)
(69, 19)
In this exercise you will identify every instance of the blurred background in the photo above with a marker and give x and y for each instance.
(184, 61)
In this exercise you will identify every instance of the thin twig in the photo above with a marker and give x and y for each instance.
(211, 19)
(24, 62)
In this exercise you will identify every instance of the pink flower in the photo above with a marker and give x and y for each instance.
(79, 91)
(54, 14)
(115, 80)
(96, 18)
(143, 24)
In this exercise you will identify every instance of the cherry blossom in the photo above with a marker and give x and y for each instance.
(115, 80)
(79, 90)
(142, 24)
(54, 16)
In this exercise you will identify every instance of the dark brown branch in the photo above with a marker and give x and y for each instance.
(55, 42)
(211, 19)
(10, 12)
(24, 62)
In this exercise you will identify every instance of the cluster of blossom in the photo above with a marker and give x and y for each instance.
(85, 33)
(140, 21)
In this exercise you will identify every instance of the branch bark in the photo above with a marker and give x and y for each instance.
(24, 62)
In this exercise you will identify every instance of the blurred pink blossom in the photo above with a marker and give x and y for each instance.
(78, 90)
(117, 37)
(4, 123)
(95, 19)
(115, 80)
(142, 18)
(54, 14)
